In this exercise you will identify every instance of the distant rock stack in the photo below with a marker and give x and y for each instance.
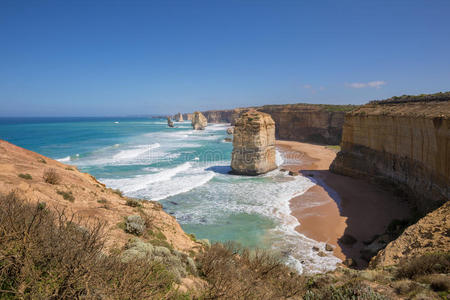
(253, 144)
(169, 122)
(199, 122)
(179, 117)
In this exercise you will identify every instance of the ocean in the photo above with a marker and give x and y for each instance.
(186, 171)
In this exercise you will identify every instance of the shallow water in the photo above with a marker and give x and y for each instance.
(187, 171)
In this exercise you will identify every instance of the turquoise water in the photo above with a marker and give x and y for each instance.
(186, 170)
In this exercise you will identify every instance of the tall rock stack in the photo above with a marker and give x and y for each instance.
(179, 117)
(253, 144)
(169, 122)
(199, 122)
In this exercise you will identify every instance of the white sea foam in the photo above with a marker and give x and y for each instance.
(136, 183)
(65, 159)
(278, 158)
(135, 152)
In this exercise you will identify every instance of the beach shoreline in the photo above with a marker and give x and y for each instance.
(338, 205)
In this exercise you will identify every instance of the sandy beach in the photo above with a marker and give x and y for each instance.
(338, 205)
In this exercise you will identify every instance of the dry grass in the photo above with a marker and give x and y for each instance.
(51, 255)
(432, 263)
(51, 176)
(237, 273)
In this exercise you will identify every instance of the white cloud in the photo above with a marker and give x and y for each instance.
(307, 86)
(359, 85)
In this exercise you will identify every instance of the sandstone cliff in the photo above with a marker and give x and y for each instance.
(406, 144)
(199, 122)
(253, 144)
(308, 123)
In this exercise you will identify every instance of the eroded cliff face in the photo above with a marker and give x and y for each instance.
(295, 122)
(407, 144)
(308, 123)
(199, 122)
(253, 144)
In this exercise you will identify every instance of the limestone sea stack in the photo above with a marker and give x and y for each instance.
(179, 117)
(169, 122)
(253, 144)
(199, 122)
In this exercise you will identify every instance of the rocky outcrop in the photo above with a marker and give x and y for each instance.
(429, 234)
(308, 123)
(179, 117)
(230, 130)
(169, 122)
(199, 122)
(253, 144)
(405, 143)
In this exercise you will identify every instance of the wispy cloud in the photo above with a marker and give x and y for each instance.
(359, 85)
(313, 89)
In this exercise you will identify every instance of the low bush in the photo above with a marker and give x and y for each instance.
(134, 224)
(238, 273)
(66, 195)
(431, 263)
(51, 176)
(25, 176)
(45, 255)
(133, 202)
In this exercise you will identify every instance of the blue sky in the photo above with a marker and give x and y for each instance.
(94, 58)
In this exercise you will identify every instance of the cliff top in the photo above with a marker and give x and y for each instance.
(254, 117)
(439, 97)
(309, 107)
(412, 108)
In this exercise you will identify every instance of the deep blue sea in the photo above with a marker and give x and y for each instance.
(186, 170)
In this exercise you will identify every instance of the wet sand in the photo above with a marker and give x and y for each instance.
(337, 204)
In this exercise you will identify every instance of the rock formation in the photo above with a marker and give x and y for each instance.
(405, 144)
(199, 122)
(230, 130)
(253, 144)
(169, 122)
(179, 117)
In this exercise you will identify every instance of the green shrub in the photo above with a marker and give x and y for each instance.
(25, 176)
(116, 191)
(102, 201)
(134, 224)
(66, 195)
(41, 160)
(430, 263)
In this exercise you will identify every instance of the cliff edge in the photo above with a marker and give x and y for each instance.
(404, 143)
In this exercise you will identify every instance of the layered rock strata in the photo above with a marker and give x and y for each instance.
(406, 144)
(253, 144)
(199, 122)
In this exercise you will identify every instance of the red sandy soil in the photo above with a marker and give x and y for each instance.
(347, 205)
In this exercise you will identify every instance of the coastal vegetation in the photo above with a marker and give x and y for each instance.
(53, 254)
